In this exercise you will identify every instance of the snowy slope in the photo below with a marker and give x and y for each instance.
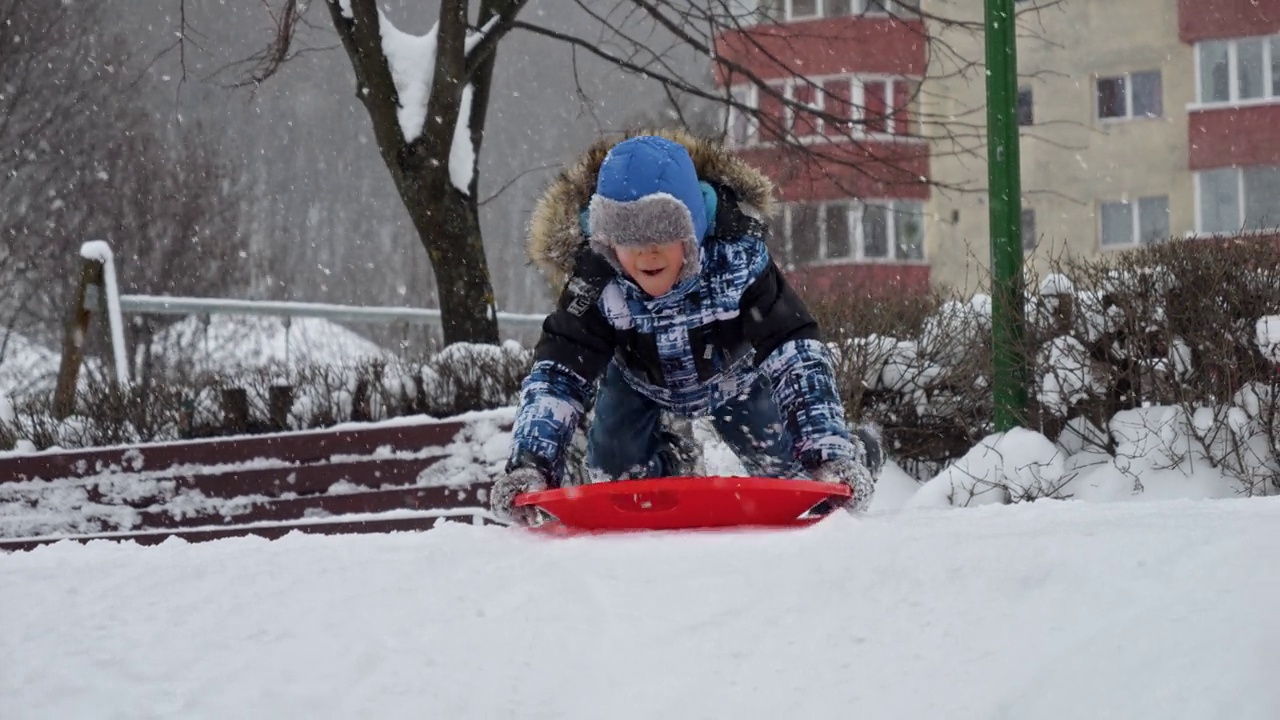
(1050, 610)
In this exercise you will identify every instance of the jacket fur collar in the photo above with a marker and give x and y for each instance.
(555, 233)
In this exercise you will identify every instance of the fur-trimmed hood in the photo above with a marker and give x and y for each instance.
(555, 231)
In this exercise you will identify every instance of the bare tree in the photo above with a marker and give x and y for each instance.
(82, 159)
(39, 92)
(429, 133)
(432, 165)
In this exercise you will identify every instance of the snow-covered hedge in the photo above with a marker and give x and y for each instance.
(1189, 330)
(460, 378)
(1142, 365)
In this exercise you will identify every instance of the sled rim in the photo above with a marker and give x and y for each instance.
(684, 482)
(684, 503)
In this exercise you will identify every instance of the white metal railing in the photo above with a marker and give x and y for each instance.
(118, 304)
(165, 305)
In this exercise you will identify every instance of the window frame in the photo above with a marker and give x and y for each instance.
(1031, 105)
(1270, 84)
(854, 209)
(1240, 198)
(1135, 221)
(751, 120)
(1127, 79)
(902, 124)
(905, 9)
(1034, 239)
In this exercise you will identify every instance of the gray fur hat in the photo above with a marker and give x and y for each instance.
(648, 193)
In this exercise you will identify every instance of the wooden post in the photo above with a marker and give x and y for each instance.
(1065, 317)
(279, 403)
(89, 298)
(235, 411)
(187, 418)
(360, 410)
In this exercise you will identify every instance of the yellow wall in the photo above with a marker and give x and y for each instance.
(1071, 161)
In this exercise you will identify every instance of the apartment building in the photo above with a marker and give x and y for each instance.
(1141, 120)
(853, 174)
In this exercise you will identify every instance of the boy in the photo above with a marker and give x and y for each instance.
(672, 295)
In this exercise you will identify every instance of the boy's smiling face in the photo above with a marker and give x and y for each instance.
(653, 267)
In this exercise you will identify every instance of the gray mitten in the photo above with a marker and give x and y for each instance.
(852, 473)
(507, 486)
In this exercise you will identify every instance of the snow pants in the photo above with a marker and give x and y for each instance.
(626, 436)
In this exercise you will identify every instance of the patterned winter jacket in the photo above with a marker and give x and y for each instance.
(690, 350)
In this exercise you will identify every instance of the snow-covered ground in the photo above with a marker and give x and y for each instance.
(1151, 593)
(1046, 610)
(230, 343)
(25, 365)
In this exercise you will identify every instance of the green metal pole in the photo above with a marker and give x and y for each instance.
(1009, 371)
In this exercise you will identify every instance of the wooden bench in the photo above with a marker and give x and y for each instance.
(352, 479)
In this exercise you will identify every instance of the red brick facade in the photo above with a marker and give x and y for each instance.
(861, 68)
(874, 45)
(1234, 136)
(835, 281)
(1221, 19)
(865, 170)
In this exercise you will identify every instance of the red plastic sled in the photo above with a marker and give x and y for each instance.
(681, 503)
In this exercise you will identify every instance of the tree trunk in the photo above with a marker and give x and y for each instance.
(446, 218)
(449, 224)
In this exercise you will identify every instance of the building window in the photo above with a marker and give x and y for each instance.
(887, 105)
(1126, 223)
(801, 9)
(1234, 199)
(1029, 239)
(837, 99)
(798, 108)
(1153, 220)
(772, 10)
(1261, 197)
(908, 230)
(1249, 68)
(1025, 114)
(1274, 49)
(875, 106)
(905, 96)
(876, 230)
(788, 10)
(808, 99)
(1132, 95)
(742, 125)
(805, 233)
(773, 113)
(906, 8)
(836, 235)
(1218, 200)
(1241, 70)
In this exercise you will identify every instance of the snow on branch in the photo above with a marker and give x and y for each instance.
(412, 60)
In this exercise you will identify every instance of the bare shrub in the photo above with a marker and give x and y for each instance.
(914, 365)
(1173, 324)
(1176, 324)
(462, 378)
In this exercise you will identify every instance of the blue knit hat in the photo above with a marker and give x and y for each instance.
(648, 192)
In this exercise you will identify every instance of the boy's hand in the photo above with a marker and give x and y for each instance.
(507, 486)
(852, 473)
